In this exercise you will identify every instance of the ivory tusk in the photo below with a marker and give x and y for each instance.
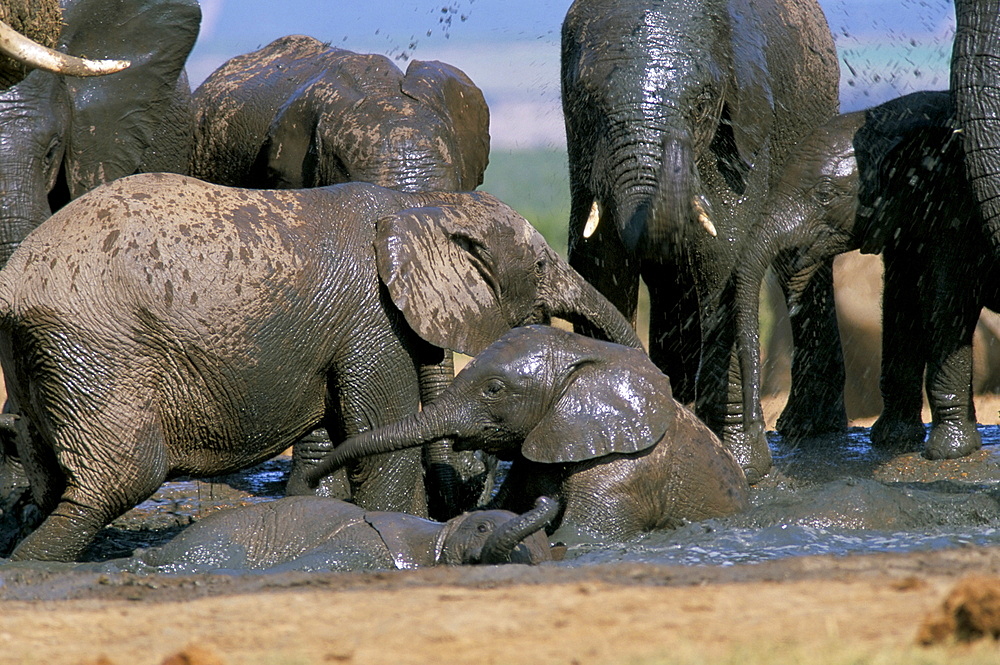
(33, 54)
(592, 220)
(703, 217)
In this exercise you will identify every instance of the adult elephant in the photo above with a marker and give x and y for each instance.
(162, 326)
(301, 113)
(889, 179)
(63, 136)
(679, 115)
(590, 423)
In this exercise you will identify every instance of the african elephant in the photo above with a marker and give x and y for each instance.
(590, 423)
(300, 113)
(162, 326)
(64, 135)
(889, 179)
(679, 116)
(320, 533)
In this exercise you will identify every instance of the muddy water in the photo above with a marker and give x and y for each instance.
(834, 495)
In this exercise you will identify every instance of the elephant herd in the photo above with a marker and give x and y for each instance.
(194, 281)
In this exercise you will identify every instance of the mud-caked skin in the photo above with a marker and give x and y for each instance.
(321, 533)
(162, 326)
(590, 423)
(679, 115)
(300, 113)
(890, 180)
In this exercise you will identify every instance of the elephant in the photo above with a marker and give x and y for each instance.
(63, 135)
(161, 326)
(300, 113)
(889, 179)
(679, 115)
(590, 423)
(322, 533)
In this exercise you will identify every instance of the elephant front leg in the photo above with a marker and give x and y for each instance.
(904, 355)
(816, 399)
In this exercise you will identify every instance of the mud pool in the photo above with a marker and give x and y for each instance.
(834, 495)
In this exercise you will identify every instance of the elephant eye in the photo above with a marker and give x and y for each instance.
(824, 192)
(484, 527)
(493, 388)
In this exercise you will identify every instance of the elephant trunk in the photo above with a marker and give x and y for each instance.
(573, 298)
(421, 428)
(499, 547)
(975, 84)
(15, 45)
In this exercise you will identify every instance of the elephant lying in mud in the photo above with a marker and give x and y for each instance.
(161, 326)
(320, 533)
(590, 423)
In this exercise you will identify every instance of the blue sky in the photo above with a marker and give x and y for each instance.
(510, 48)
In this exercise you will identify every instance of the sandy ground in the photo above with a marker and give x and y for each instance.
(853, 609)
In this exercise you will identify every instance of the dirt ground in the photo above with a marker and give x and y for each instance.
(851, 609)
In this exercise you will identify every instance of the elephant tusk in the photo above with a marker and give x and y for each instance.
(703, 217)
(592, 220)
(33, 54)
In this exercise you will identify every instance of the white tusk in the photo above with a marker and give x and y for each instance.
(703, 217)
(33, 54)
(592, 220)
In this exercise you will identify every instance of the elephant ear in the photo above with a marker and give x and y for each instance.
(461, 275)
(607, 404)
(139, 119)
(453, 95)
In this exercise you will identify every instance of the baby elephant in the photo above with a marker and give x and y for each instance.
(591, 423)
(320, 533)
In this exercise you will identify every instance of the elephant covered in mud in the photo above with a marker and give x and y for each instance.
(590, 423)
(679, 116)
(162, 326)
(301, 113)
(890, 179)
(320, 533)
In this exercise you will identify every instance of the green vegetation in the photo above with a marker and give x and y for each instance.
(536, 184)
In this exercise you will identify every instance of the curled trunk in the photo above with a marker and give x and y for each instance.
(499, 547)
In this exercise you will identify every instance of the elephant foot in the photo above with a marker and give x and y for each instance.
(804, 419)
(897, 434)
(751, 451)
(952, 440)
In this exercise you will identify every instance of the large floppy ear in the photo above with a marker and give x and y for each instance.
(461, 275)
(614, 402)
(127, 122)
(453, 95)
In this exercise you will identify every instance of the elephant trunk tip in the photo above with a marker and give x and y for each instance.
(501, 545)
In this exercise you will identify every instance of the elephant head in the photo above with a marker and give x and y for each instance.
(832, 198)
(330, 115)
(63, 135)
(975, 84)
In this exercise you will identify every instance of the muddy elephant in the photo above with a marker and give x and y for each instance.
(889, 179)
(679, 116)
(64, 135)
(162, 326)
(321, 533)
(589, 423)
(301, 113)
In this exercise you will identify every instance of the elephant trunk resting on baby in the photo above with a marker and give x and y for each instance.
(320, 533)
(591, 423)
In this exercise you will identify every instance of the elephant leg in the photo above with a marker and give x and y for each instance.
(904, 355)
(816, 398)
(952, 314)
(675, 339)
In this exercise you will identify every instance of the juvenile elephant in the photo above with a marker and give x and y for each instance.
(162, 326)
(890, 179)
(589, 423)
(300, 113)
(679, 116)
(320, 533)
